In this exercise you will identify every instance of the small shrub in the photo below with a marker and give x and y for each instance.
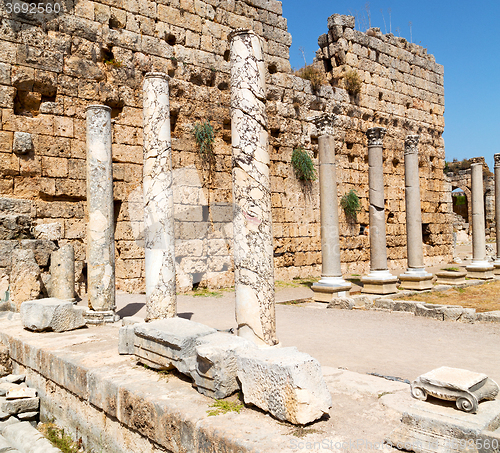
(352, 82)
(223, 407)
(351, 204)
(313, 74)
(113, 62)
(303, 165)
(204, 136)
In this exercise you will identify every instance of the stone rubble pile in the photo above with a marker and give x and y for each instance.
(283, 381)
(18, 402)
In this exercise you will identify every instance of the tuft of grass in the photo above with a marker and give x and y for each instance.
(315, 75)
(204, 135)
(223, 407)
(352, 82)
(59, 439)
(453, 269)
(303, 165)
(204, 292)
(113, 62)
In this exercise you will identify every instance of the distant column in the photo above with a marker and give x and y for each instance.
(100, 228)
(158, 199)
(62, 273)
(252, 224)
(497, 212)
(415, 277)
(479, 268)
(331, 282)
(379, 280)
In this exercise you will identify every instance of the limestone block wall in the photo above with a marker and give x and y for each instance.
(53, 66)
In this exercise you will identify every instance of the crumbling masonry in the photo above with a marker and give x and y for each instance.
(97, 52)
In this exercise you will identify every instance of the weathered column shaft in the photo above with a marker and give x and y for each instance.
(378, 252)
(62, 273)
(100, 228)
(497, 206)
(330, 241)
(159, 235)
(478, 233)
(253, 247)
(413, 209)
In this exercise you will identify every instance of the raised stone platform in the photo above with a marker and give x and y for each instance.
(451, 277)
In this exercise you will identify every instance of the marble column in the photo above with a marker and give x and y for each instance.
(379, 280)
(158, 199)
(496, 263)
(62, 273)
(415, 277)
(100, 227)
(480, 267)
(331, 283)
(253, 239)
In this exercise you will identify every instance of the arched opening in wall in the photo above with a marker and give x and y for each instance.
(460, 204)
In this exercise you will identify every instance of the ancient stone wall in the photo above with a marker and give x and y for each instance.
(53, 66)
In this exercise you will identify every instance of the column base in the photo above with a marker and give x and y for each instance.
(330, 287)
(451, 278)
(416, 279)
(481, 270)
(496, 267)
(379, 282)
(100, 317)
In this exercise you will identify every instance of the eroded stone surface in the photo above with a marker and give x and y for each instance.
(62, 273)
(52, 314)
(158, 199)
(25, 282)
(284, 382)
(23, 143)
(100, 227)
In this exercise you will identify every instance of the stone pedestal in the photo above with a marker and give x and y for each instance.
(451, 278)
(415, 277)
(480, 267)
(253, 246)
(331, 283)
(379, 280)
(100, 227)
(62, 273)
(158, 200)
(496, 263)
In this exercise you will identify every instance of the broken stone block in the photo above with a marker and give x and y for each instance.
(25, 283)
(48, 231)
(344, 303)
(284, 382)
(5, 362)
(22, 144)
(26, 438)
(19, 405)
(446, 312)
(466, 388)
(62, 273)
(51, 314)
(14, 226)
(14, 378)
(126, 337)
(20, 392)
(216, 367)
(169, 342)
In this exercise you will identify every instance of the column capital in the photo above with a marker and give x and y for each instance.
(411, 144)
(376, 136)
(239, 32)
(497, 159)
(324, 123)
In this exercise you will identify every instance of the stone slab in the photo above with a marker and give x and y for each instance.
(215, 369)
(26, 438)
(440, 427)
(51, 315)
(446, 312)
(284, 382)
(19, 405)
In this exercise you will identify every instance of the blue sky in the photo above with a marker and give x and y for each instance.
(464, 36)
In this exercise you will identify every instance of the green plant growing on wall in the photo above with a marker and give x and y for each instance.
(204, 136)
(303, 165)
(313, 74)
(352, 82)
(351, 204)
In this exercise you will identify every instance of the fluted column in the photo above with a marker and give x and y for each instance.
(497, 212)
(100, 227)
(480, 267)
(253, 245)
(331, 282)
(379, 280)
(415, 277)
(159, 235)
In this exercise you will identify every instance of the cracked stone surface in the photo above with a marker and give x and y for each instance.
(253, 248)
(100, 228)
(158, 199)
